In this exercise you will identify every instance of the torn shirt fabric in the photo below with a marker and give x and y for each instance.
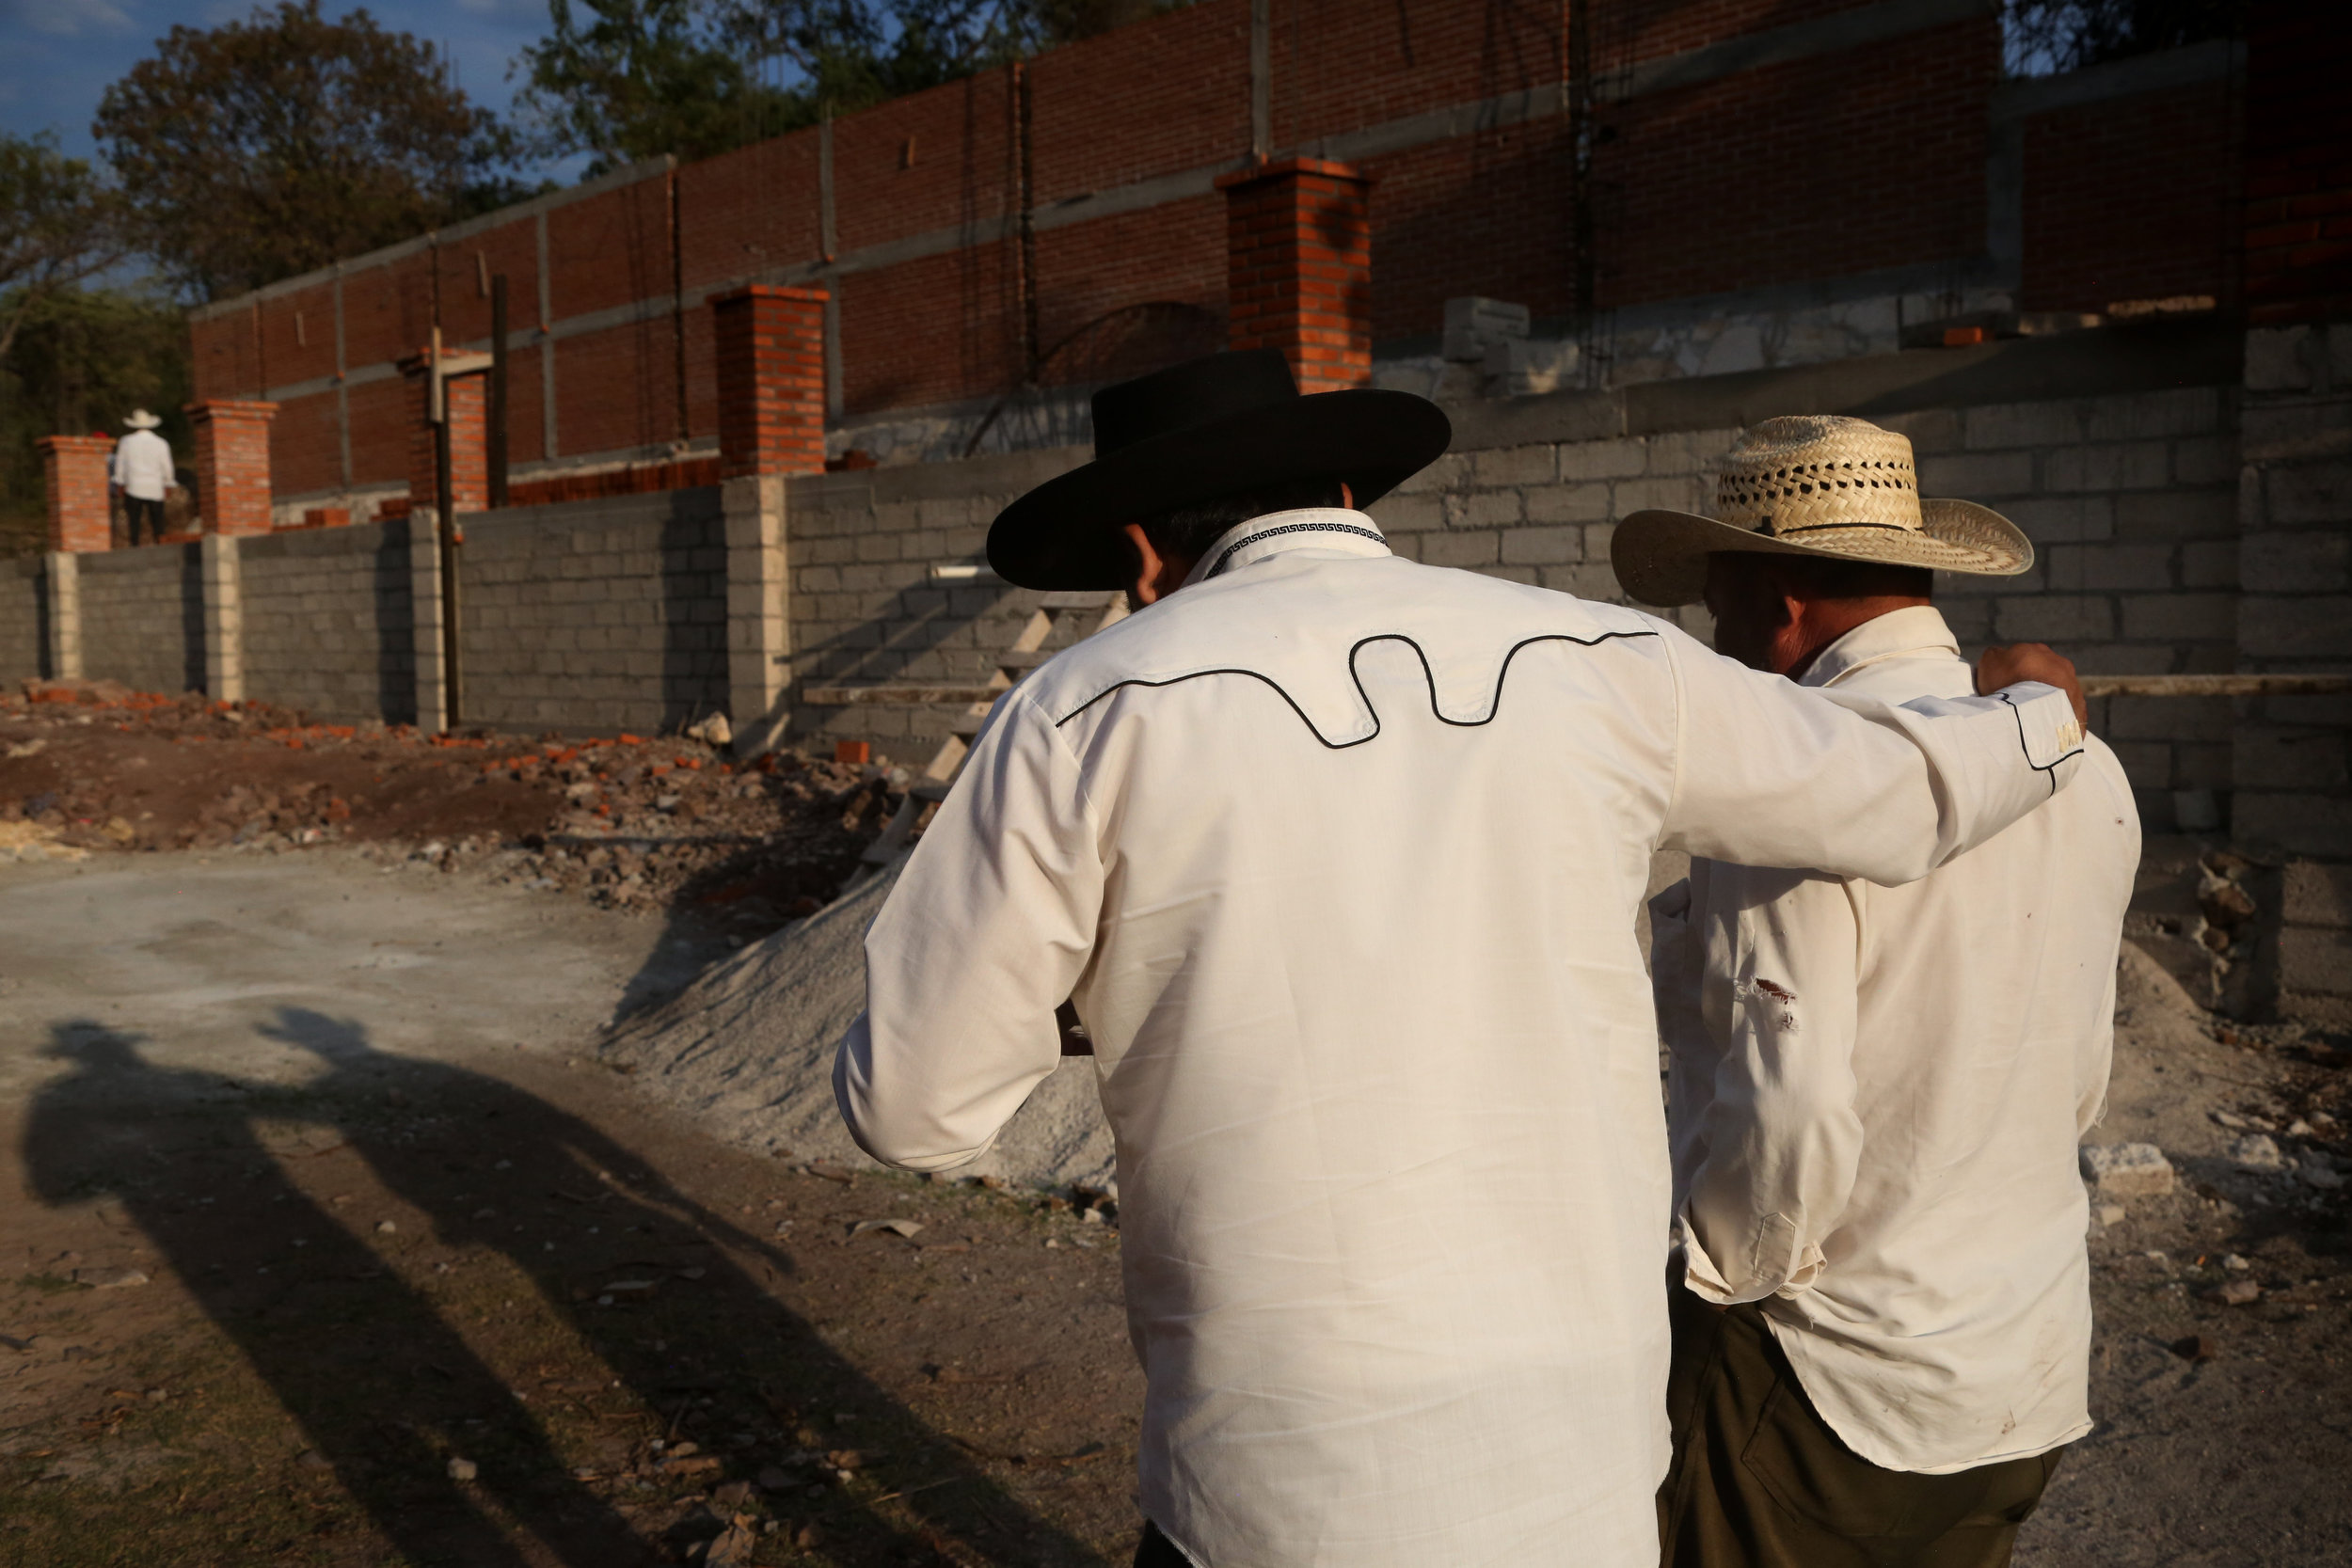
(1877, 1094)
(1339, 856)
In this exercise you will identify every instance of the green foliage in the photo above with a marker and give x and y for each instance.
(627, 79)
(82, 360)
(58, 225)
(262, 149)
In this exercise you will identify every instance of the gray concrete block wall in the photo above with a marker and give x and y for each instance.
(143, 617)
(864, 605)
(2293, 754)
(327, 622)
(23, 620)
(597, 616)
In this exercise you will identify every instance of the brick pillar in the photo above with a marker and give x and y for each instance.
(771, 381)
(232, 465)
(75, 466)
(468, 436)
(1299, 265)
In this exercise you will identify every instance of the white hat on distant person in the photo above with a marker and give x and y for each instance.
(141, 419)
(1818, 485)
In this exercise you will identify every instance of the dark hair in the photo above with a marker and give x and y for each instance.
(1822, 577)
(1189, 530)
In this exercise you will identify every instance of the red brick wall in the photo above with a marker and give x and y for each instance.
(1826, 166)
(233, 464)
(2298, 164)
(769, 353)
(76, 467)
(2131, 199)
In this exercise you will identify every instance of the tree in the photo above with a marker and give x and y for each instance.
(628, 79)
(2050, 35)
(58, 225)
(262, 149)
(83, 360)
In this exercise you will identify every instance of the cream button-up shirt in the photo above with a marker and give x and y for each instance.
(1339, 856)
(1877, 1094)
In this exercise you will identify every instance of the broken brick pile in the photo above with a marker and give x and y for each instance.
(656, 824)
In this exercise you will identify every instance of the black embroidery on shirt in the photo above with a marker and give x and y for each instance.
(2019, 714)
(1493, 709)
(1293, 528)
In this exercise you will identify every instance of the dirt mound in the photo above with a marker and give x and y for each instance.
(748, 1050)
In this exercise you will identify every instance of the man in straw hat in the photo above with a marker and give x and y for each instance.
(142, 474)
(1339, 858)
(1883, 1341)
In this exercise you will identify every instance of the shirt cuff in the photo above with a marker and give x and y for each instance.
(2046, 728)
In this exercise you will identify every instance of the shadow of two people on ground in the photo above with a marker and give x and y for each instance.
(366, 1358)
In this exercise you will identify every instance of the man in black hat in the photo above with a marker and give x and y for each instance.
(1338, 857)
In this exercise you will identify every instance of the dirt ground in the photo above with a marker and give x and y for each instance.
(328, 1240)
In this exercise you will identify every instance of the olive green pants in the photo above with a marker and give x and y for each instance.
(1760, 1480)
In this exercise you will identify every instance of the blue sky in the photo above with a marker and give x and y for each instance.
(56, 56)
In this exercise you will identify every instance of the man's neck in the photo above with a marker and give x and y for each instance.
(1822, 622)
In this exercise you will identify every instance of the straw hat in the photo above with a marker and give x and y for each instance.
(1819, 485)
(141, 419)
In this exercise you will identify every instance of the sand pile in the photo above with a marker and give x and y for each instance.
(748, 1050)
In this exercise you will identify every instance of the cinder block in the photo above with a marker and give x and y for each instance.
(2176, 411)
(2316, 894)
(2098, 566)
(1501, 465)
(2148, 763)
(1587, 581)
(1542, 547)
(1973, 476)
(2279, 359)
(1567, 503)
(1402, 513)
(2175, 514)
(2293, 432)
(1450, 472)
(2209, 564)
(1996, 426)
(2207, 718)
(2296, 822)
(1511, 573)
(1688, 451)
(1680, 495)
(2112, 466)
(2057, 618)
(2281, 758)
(2205, 460)
(1465, 547)
(2315, 961)
(1620, 457)
(1930, 430)
(1491, 508)
(2317, 492)
(2316, 627)
(2180, 617)
(2296, 561)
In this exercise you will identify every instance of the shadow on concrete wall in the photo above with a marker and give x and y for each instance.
(192, 675)
(394, 602)
(693, 592)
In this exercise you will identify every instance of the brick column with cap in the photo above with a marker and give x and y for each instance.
(232, 465)
(76, 467)
(468, 436)
(1298, 260)
(770, 353)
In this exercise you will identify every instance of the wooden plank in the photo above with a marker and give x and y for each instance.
(2213, 685)
(898, 696)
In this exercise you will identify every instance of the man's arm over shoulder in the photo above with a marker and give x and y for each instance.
(985, 935)
(1772, 773)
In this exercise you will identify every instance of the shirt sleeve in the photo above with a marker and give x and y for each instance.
(989, 926)
(1676, 974)
(1775, 774)
(1782, 1138)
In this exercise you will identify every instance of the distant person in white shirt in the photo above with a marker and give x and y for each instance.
(1338, 856)
(1882, 1344)
(142, 476)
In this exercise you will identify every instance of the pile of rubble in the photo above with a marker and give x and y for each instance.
(672, 824)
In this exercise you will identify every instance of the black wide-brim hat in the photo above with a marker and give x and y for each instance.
(1193, 433)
